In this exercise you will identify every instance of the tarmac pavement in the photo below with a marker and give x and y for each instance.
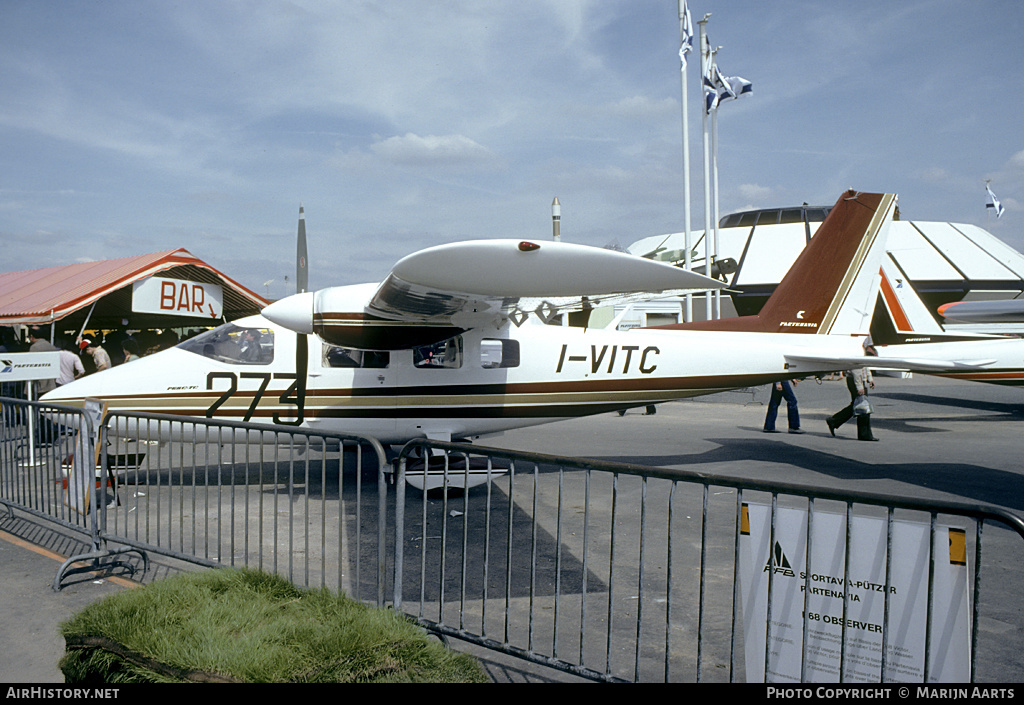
(939, 439)
(31, 611)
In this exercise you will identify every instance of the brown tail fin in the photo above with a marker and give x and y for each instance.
(832, 285)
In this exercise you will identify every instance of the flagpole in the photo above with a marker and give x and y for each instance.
(705, 58)
(687, 258)
(717, 89)
(715, 217)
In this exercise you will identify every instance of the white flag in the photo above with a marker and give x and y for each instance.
(685, 35)
(993, 202)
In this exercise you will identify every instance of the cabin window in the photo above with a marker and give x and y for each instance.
(234, 345)
(335, 356)
(495, 353)
(446, 354)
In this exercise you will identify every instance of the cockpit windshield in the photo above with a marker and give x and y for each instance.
(234, 345)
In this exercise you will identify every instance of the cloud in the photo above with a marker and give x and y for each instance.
(642, 107)
(1017, 160)
(934, 175)
(755, 193)
(449, 151)
(198, 124)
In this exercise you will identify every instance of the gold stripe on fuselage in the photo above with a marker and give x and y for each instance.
(321, 402)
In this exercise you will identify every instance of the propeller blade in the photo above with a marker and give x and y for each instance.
(301, 259)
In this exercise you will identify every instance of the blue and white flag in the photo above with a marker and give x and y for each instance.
(685, 35)
(993, 202)
(710, 83)
(733, 87)
(719, 88)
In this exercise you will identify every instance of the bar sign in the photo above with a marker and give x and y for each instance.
(178, 297)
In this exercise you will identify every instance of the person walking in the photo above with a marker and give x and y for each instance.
(858, 382)
(783, 390)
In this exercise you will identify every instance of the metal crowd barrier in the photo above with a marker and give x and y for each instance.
(208, 492)
(290, 501)
(34, 448)
(608, 571)
(623, 572)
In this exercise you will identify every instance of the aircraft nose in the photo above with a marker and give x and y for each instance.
(293, 312)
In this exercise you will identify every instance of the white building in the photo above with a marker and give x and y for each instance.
(943, 261)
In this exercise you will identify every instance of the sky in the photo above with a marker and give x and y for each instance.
(138, 126)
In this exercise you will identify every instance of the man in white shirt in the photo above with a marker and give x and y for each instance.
(71, 367)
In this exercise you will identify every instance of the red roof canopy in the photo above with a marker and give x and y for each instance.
(68, 294)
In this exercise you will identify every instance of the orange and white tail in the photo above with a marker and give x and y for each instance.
(901, 316)
(832, 286)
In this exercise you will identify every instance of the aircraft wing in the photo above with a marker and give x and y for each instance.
(1001, 311)
(505, 276)
(438, 292)
(815, 363)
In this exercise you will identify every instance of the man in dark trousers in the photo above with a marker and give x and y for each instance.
(858, 382)
(783, 390)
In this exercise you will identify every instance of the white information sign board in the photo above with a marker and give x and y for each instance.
(862, 591)
(22, 367)
(177, 297)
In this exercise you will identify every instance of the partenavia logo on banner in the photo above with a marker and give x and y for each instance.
(21, 367)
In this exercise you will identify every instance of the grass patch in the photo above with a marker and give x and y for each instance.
(249, 626)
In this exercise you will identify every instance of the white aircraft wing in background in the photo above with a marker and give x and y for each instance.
(1004, 311)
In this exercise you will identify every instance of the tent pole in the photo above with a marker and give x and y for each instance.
(86, 323)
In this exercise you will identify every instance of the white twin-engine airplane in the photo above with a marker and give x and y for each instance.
(450, 347)
(904, 327)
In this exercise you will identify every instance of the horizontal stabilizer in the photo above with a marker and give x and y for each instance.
(819, 363)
